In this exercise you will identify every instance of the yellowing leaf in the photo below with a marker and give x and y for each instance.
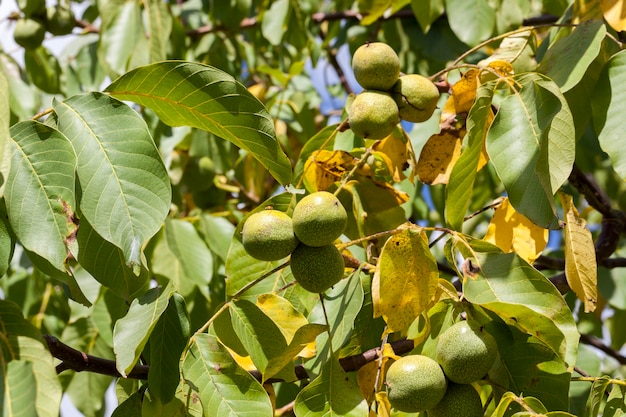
(586, 10)
(438, 157)
(384, 407)
(614, 13)
(396, 150)
(513, 232)
(405, 280)
(324, 168)
(580, 256)
(366, 375)
(462, 96)
(283, 314)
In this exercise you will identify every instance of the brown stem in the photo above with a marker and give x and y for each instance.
(81, 361)
(72, 359)
(598, 344)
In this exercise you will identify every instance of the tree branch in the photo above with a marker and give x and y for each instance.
(80, 361)
(72, 359)
(598, 344)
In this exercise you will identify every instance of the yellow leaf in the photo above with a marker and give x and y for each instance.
(286, 317)
(614, 13)
(384, 407)
(405, 280)
(580, 256)
(513, 232)
(244, 361)
(586, 10)
(396, 150)
(324, 168)
(462, 96)
(438, 157)
(366, 375)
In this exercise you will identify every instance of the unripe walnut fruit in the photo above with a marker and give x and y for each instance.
(415, 383)
(60, 20)
(376, 66)
(317, 269)
(29, 33)
(319, 219)
(466, 352)
(373, 114)
(416, 97)
(268, 235)
(460, 400)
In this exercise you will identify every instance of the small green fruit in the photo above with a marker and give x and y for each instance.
(460, 400)
(415, 383)
(319, 219)
(268, 235)
(416, 97)
(466, 352)
(376, 66)
(29, 33)
(60, 20)
(373, 114)
(317, 269)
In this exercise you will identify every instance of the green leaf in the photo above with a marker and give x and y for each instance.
(18, 396)
(524, 298)
(534, 370)
(7, 241)
(274, 21)
(264, 341)
(225, 389)
(218, 233)
(159, 24)
(616, 403)
(567, 60)
(21, 341)
(186, 93)
(131, 332)
(125, 190)
(461, 182)
(131, 407)
(120, 33)
(106, 263)
(472, 21)
(531, 143)
(596, 397)
(342, 304)
(181, 256)
(5, 122)
(608, 108)
(40, 191)
(427, 11)
(332, 393)
(372, 10)
(167, 343)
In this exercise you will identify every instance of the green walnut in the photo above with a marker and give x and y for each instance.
(29, 33)
(376, 66)
(319, 219)
(416, 97)
(60, 20)
(466, 352)
(268, 235)
(373, 114)
(318, 268)
(460, 400)
(415, 383)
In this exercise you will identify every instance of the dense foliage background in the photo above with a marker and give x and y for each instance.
(138, 136)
